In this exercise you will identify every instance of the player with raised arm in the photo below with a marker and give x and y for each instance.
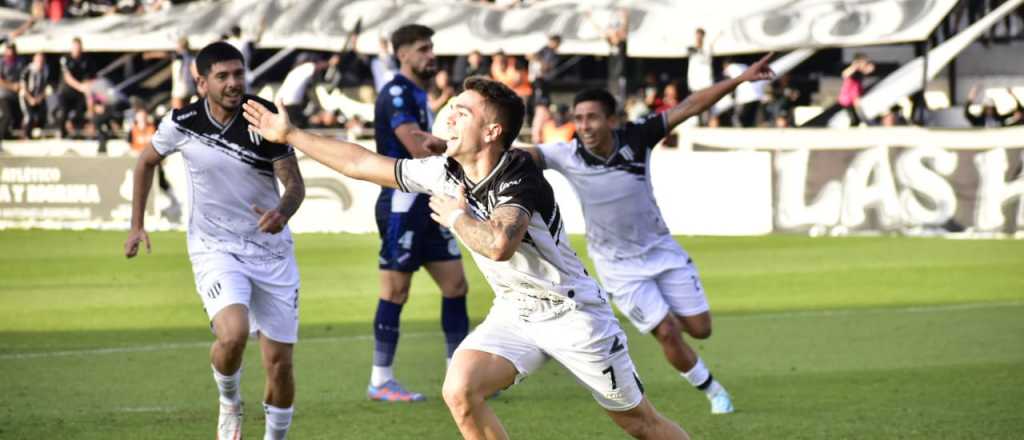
(241, 249)
(409, 238)
(650, 277)
(498, 204)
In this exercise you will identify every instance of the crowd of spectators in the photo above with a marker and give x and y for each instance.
(62, 99)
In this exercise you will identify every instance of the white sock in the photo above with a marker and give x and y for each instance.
(278, 421)
(228, 386)
(381, 375)
(698, 374)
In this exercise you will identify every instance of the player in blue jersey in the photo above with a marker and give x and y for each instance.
(409, 237)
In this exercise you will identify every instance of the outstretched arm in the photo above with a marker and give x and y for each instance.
(702, 100)
(346, 158)
(496, 238)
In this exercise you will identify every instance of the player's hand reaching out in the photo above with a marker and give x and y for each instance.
(274, 127)
(271, 221)
(447, 209)
(760, 70)
(131, 245)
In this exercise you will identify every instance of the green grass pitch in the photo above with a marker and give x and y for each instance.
(815, 338)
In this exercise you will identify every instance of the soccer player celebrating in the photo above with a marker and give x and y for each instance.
(241, 249)
(496, 201)
(409, 238)
(651, 279)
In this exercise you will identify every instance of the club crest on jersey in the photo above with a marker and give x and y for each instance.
(395, 90)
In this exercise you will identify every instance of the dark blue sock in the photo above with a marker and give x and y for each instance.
(385, 333)
(454, 322)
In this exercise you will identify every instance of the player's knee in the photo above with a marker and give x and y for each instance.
(668, 331)
(395, 295)
(232, 342)
(459, 395)
(701, 332)
(456, 289)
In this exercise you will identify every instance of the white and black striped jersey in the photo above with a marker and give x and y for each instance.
(544, 278)
(230, 169)
(623, 220)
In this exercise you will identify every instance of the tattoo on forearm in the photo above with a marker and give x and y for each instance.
(287, 170)
(482, 236)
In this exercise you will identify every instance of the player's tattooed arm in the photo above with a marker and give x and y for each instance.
(496, 238)
(287, 171)
(273, 220)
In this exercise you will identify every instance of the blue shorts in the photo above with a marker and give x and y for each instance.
(409, 237)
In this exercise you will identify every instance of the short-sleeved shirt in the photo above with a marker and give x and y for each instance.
(609, 187)
(80, 68)
(10, 71)
(544, 278)
(230, 169)
(33, 82)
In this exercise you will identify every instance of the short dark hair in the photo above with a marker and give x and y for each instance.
(556, 38)
(860, 56)
(214, 53)
(236, 31)
(602, 97)
(509, 110)
(409, 34)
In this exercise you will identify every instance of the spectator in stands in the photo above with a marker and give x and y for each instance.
(615, 34)
(104, 124)
(32, 94)
(699, 71)
(473, 64)
(1017, 115)
(544, 65)
(441, 90)
(74, 99)
(747, 96)
(348, 68)
(510, 71)
(295, 88)
(245, 45)
(10, 76)
(669, 98)
(384, 66)
(183, 84)
(779, 100)
(142, 130)
(559, 128)
(699, 68)
(853, 86)
(892, 118)
(990, 116)
(326, 119)
(55, 9)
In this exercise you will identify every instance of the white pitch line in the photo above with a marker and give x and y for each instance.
(170, 346)
(778, 315)
(846, 312)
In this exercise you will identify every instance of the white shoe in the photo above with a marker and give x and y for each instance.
(721, 402)
(229, 424)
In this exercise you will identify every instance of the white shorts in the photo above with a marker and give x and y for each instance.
(587, 341)
(268, 288)
(645, 288)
